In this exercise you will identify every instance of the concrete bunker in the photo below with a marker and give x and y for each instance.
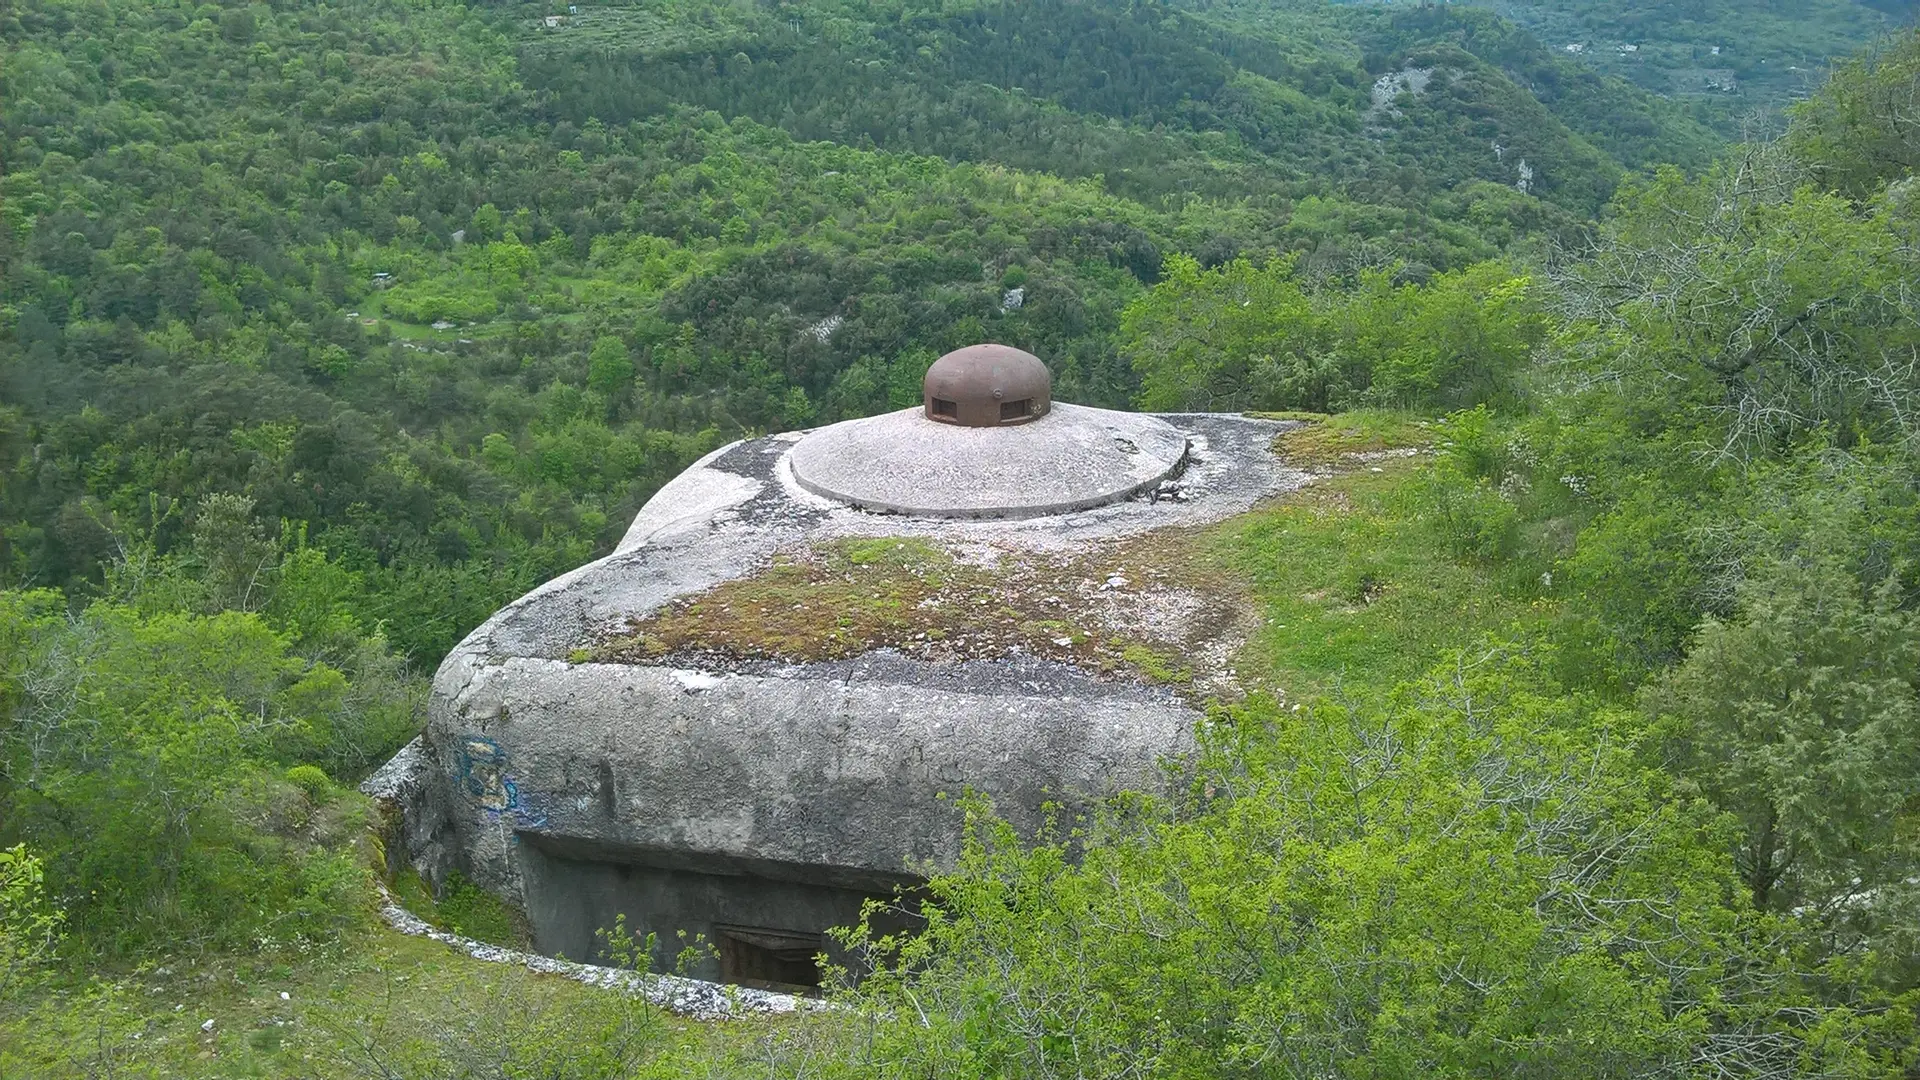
(736, 793)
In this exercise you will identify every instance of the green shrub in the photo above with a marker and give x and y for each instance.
(1474, 520)
(466, 909)
(30, 926)
(1258, 336)
(148, 760)
(455, 299)
(311, 779)
(1800, 716)
(1472, 878)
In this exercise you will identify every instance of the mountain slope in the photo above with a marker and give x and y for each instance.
(1157, 100)
(446, 292)
(1732, 55)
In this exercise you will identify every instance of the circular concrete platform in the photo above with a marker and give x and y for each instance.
(1071, 459)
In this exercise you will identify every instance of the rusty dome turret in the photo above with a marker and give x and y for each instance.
(987, 386)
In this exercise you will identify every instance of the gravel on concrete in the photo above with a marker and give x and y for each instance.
(694, 998)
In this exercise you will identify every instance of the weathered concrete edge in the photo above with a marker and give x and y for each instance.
(693, 497)
(693, 998)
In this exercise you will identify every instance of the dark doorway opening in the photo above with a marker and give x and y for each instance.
(770, 959)
(764, 921)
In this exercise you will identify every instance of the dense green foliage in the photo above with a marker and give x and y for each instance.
(193, 720)
(29, 923)
(226, 232)
(1471, 878)
(1242, 337)
(1801, 717)
(325, 329)
(1863, 132)
(1729, 55)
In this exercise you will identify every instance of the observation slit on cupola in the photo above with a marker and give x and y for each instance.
(987, 386)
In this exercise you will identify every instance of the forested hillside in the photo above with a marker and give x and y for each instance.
(1736, 65)
(327, 328)
(232, 233)
(1732, 56)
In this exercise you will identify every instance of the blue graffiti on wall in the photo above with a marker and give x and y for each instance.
(483, 771)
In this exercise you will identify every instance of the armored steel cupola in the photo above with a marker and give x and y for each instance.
(945, 460)
(987, 386)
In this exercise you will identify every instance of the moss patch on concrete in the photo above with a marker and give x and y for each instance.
(1337, 442)
(1134, 609)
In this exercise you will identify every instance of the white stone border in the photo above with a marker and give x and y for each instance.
(694, 998)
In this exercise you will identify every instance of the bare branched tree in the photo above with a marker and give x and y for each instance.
(1795, 309)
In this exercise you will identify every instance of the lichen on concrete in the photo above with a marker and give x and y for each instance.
(1127, 610)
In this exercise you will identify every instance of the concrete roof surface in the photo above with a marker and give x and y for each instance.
(1073, 458)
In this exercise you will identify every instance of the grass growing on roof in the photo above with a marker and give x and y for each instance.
(844, 598)
(1356, 587)
(1332, 441)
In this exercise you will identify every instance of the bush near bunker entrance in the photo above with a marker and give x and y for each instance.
(1474, 878)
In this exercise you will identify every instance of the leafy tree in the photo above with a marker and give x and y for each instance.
(1862, 130)
(1459, 340)
(1246, 336)
(1235, 337)
(1785, 307)
(610, 370)
(233, 552)
(143, 754)
(1474, 878)
(1801, 715)
(485, 225)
